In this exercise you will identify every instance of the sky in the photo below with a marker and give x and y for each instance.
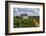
(28, 11)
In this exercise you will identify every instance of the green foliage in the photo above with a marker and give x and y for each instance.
(19, 22)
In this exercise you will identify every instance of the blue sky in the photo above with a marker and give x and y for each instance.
(28, 11)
